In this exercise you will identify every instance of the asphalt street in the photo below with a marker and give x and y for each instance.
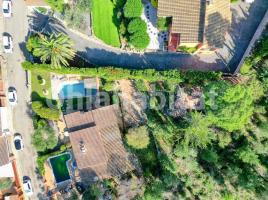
(17, 27)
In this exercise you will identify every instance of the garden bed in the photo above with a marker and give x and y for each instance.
(41, 85)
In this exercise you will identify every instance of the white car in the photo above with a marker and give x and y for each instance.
(12, 96)
(18, 143)
(7, 10)
(7, 43)
(27, 187)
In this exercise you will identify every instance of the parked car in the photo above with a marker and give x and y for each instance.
(7, 43)
(12, 96)
(18, 143)
(7, 10)
(27, 186)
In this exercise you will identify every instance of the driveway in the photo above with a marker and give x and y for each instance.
(245, 20)
(15, 76)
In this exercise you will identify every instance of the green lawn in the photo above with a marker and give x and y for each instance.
(37, 88)
(104, 26)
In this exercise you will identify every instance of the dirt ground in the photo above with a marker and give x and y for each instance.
(133, 104)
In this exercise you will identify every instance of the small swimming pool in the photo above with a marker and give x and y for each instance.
(60, 168)
(75, 90)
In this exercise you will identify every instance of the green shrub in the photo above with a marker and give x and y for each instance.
(246, 67)
(154, 3)
(137, 25)
(44, 138)
(122, 28)
(94, 192)
(108, 86)
(138, 138)
(45, 112)
(139, 40)
(42, 10)
(139, 37)
(163, 23)
(186, 49)
(32, 43)
(140, 86)
(42, 158)
(133, 8)
(5, 183)
(57, 5)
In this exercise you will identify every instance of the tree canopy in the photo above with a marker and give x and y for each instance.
(133, 8)
(45, 112)
(56, 49)
(230, 106)
(44, 138)
(138, 138)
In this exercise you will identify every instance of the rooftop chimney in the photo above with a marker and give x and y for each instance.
(82, 146)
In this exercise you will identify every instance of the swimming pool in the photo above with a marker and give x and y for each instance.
(60, 168)
(75, 90)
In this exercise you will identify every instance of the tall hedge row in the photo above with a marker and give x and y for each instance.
(110, 73)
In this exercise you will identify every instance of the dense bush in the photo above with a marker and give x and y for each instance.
(45, 112)
(57, 5)
(139, 40)
(138, 36)
(140, 86)
(108, 86)
(138, 138)
(137, 25)
(230, 107)
(44, 137)
(32, 43)
(133, 8)
(94, 192)
(163, 23)
(42, 158)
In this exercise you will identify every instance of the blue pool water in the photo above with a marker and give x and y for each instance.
(75, 90)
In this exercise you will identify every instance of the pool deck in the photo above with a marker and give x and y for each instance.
(58, 81)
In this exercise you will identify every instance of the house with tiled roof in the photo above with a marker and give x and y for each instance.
(196, 22)
(97, 144)
(6, 169)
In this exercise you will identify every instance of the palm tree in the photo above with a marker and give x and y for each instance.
(57, 49)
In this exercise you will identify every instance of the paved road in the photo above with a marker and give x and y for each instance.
(245, 20)
(17, 26)
(100, 54)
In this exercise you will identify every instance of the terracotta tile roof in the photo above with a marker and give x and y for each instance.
(187, 18)
(79, 120)
(4, 153)
(217, 21)
(98, 149)
(197, 21)
(36, 3)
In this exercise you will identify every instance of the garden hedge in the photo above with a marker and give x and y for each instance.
(110, 73)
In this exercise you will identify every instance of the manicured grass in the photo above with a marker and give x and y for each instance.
(104, 22)
(37, 88)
